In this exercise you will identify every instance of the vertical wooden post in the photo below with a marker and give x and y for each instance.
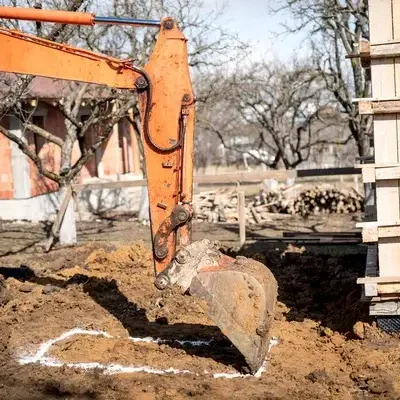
(242, 217)
(356, 187)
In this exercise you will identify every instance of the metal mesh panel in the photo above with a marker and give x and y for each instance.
(389, 324)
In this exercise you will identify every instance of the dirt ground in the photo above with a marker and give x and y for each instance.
(326, 345)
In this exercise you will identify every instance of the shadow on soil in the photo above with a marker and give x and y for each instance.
(134, 319)
(316, 282)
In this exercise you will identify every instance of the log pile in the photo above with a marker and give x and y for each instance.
(222, 205)
(326, 201)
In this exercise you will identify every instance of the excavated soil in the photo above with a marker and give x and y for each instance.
(327, 347)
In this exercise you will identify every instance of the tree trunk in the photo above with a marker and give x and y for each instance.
(67, 234)
(144, 210)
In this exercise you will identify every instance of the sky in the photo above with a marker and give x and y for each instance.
(252, 22)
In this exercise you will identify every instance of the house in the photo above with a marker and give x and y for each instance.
(19, 176)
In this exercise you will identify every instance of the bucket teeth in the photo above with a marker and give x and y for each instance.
(240, 299)
(238, 295)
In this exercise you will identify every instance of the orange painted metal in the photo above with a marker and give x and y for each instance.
(187, 170)
(166, 103)
(170, 118)
(60, 17)
(169, 73)
(26, 54)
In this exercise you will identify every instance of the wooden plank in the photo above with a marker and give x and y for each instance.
(368, 175)
(389, 247)
(256, 215)
(389, 256)
(373, 172)
(388, 288)
(385, 308)
(396, 37)
(380, 286)
(233, 178)
(242, 218)
(382, 298)
(385, 132)
(387, 173)
(398, 134)
(377, 107)
(109, 185)
(383, 72)
(389, 231)
(376, 224)
(375, 51)
(245, 177)
(380, 16)
(379, 279)
(396, 19)
(371, 289)
(389, 49)
(371, 232)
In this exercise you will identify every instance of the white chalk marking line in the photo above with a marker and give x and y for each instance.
(45, 347)
(195, 343)
(111, 369)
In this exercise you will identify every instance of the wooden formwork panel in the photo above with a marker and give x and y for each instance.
(385, 74)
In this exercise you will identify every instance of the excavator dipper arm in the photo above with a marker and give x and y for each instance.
(166, 103)
(239, 295)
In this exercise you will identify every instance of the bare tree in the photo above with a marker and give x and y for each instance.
(334, 29)
(211, 45)
(283, 108)
(16, 90)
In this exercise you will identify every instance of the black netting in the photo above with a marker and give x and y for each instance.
(389, 324)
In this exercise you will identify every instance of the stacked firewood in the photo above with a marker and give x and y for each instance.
(216, 206)
(222, 205)
(326, 201)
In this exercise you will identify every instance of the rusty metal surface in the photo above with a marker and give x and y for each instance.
(170, 133)
(239, 295)
(187, 263)
(180, 215)
(240, 299)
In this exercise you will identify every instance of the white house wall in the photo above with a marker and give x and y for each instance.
(90, 203)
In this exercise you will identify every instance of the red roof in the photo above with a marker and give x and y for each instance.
(40, 87)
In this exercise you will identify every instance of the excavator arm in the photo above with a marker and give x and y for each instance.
(166, 104)
(239, 295)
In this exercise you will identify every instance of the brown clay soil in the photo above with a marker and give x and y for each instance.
(328, 348)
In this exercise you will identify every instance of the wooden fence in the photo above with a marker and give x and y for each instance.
(228, 178)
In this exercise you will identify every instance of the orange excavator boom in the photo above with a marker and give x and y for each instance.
(166, 104)
(239, 294)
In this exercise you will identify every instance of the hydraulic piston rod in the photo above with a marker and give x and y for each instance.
(70, 17)
(127, 21)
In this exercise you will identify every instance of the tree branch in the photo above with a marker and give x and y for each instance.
(44, 134)
(30, 153)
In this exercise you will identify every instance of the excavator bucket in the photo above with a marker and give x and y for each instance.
(240, 299)
(239, 295)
